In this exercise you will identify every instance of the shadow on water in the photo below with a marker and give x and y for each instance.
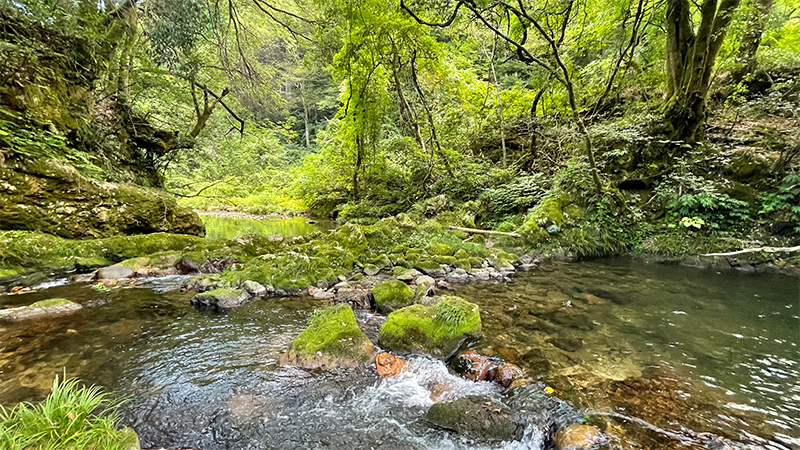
(662, 354)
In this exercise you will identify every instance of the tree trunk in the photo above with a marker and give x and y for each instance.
(499, 103)
(690, 62)
(305, 114)
(751, 39)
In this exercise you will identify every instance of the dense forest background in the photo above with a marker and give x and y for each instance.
(595, 127)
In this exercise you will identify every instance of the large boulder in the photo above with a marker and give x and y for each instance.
(51, 307)
(221, 300)
(53, 198)
(332, 339)
(438, 330)
(478, 417)
(391, 295)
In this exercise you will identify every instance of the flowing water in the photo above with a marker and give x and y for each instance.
(657, 356)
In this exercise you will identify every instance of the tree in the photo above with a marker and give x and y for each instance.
(550, 25)
(691, 57)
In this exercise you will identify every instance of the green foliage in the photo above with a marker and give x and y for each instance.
(784, 203)
(719, 211)
(72, 417)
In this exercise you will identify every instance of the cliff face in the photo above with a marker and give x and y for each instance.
(55, 199)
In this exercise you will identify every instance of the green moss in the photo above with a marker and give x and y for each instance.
(358, 276)
(439, 249)
(427, 265)
(449, 260)
(461, 254)
(43, 251)
(438, 329)
(11, 271)
(476, 262)
(391, 295)
(399, 270)
(333, 332)
(431, 227)
(463, 264)
(48, 303)
(135, 263)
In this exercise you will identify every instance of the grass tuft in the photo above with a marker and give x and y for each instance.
(72, 417)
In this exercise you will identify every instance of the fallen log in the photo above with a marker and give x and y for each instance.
(475, 230)
(758, 249)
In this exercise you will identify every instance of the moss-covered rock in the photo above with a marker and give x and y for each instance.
(461, 254)
(221, 300)
(332, 339)
(44, 251)
(449, 260)
(438, 330)
(430, 268)
(391, 295)
(439, 249)
(51, 307)
(53, 198)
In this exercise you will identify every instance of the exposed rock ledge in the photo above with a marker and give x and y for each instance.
(53, 198)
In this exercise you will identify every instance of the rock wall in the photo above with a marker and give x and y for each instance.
(53, 198)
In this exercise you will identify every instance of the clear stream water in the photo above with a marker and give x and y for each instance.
(658, 356)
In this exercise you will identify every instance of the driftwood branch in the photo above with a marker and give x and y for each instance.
(475, 230)
(757, 250)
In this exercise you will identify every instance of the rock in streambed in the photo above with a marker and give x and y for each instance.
(51, 307)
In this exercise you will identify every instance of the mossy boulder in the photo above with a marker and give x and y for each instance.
(51, 307)
(438, 330)
(391, 295)
(461, 254)
(52, 197)
(439, 249)
(221, 300)
(430, 268)
(332, 339)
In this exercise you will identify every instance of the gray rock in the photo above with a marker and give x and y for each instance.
(371, 270)
(481, 275)
(424, 279)
(479, 417)
(114, 272)
(52, 307)
(458, 276)
(553, 229)
(407, 277)
(342, 285)
(254, 289)
(221, 300)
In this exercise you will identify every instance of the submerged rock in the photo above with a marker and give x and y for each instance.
(479, 417)
(332, 339)
(221, 300)
(388, 365)
(476, 367)
(577, 437)
(51, 307)
(438, 330)
(507, 374)
(391, 295)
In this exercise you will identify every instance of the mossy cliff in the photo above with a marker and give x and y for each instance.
(55, 199)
